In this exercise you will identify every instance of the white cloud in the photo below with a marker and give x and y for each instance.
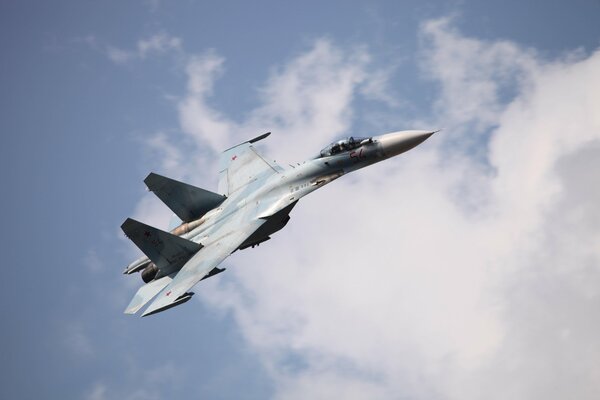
(98, 392)
(306, 101)
(472, 75)
(93, 262)
(173, 161)
(152, 383)
(119, 56)
(442, 273)
(77, 340)
(157, 44)
(197, 118)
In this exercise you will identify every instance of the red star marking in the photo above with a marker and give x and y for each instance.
(147, 234)
(233, 158)
(168, 293)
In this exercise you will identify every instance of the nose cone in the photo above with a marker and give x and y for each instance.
(395, 143)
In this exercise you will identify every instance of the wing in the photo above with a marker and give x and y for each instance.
(147, 293)
(241, 165)
(167, 251)
(200, 265)
(186, 201)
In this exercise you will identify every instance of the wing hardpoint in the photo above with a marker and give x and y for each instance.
(200, 265)
(241, 165)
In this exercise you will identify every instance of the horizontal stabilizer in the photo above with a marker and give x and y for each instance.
(147, 293)
(186, 201)
(167, 251)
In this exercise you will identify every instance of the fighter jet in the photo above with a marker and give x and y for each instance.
(255, 197)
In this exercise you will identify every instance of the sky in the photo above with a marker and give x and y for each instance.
(467, 268)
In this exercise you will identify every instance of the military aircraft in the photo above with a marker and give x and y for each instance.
(254, 200)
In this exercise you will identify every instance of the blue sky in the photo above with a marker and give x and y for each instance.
(95, 95)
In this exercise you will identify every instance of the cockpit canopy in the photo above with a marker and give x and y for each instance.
(343, 145)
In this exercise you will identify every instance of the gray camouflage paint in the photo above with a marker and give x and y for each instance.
(260, 196)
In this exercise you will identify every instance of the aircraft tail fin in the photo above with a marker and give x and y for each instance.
(186, 201)
(167, 251)
(242, 164)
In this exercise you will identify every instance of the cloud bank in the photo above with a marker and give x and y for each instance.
(467, 268)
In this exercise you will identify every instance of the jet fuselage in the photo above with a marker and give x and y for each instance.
(263, 199)
(255, 200)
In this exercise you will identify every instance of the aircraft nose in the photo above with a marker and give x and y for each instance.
(396, 143)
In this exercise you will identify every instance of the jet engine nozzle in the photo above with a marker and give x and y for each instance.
(149, 273)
